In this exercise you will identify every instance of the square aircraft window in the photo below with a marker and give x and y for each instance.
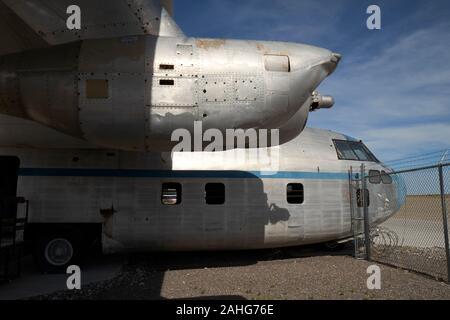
(295, 193)
(386, 178)
(344, 150)
(215, 193)
(360, 151)
(171, 193)
(374, 177)
(353, 150)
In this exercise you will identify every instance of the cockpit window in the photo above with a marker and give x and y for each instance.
(386, 178)
(360, 151)
(353, 150)
(344, 150)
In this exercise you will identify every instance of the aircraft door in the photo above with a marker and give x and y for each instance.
(9, 171)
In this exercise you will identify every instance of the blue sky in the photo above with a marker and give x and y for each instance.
(392, 88)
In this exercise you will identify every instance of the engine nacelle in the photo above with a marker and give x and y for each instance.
(131, 93)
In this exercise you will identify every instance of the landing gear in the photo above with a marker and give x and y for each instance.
(334, 246)
(58, 245)
(54, 253)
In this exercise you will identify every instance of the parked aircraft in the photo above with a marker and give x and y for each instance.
(85, 116)
(135, 201)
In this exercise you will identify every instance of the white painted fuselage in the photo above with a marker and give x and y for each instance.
(122, 191)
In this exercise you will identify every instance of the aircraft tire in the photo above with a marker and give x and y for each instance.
(55, 252)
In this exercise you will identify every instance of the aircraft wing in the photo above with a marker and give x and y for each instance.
(29, 24)
(16, 35)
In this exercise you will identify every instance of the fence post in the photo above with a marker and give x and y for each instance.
(365, 211)
(352, 212)
(444, 217)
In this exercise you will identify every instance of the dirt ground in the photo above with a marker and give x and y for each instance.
(423, 207)
(429, 261)
(285, 275)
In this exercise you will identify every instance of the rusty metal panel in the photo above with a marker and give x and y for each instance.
(97, 89)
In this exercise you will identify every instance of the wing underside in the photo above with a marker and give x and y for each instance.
(29, 24)
(15, 34)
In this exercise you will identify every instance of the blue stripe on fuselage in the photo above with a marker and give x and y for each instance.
(127, 173)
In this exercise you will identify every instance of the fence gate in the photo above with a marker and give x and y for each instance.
(359, 213)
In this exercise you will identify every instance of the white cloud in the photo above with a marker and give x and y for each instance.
(409, 140)
(393, 99)
(284, 20)
(391, 85)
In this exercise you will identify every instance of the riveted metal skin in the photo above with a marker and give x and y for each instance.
(41, 85)
(117, 121)
(131, 93)
(100, 19)
(129, 77)
(123, 191)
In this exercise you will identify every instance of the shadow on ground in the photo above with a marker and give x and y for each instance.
(141, 275)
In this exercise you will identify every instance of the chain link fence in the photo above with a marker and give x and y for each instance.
(416, 236)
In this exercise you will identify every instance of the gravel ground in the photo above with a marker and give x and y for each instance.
(430, 261)
(288, 274)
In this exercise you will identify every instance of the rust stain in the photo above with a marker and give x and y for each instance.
(269, 51)
(213, 43)
(108, 214)
(260, 47)
(97, 89)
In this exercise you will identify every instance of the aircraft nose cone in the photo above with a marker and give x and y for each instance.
(332, 62)
(336, 57)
